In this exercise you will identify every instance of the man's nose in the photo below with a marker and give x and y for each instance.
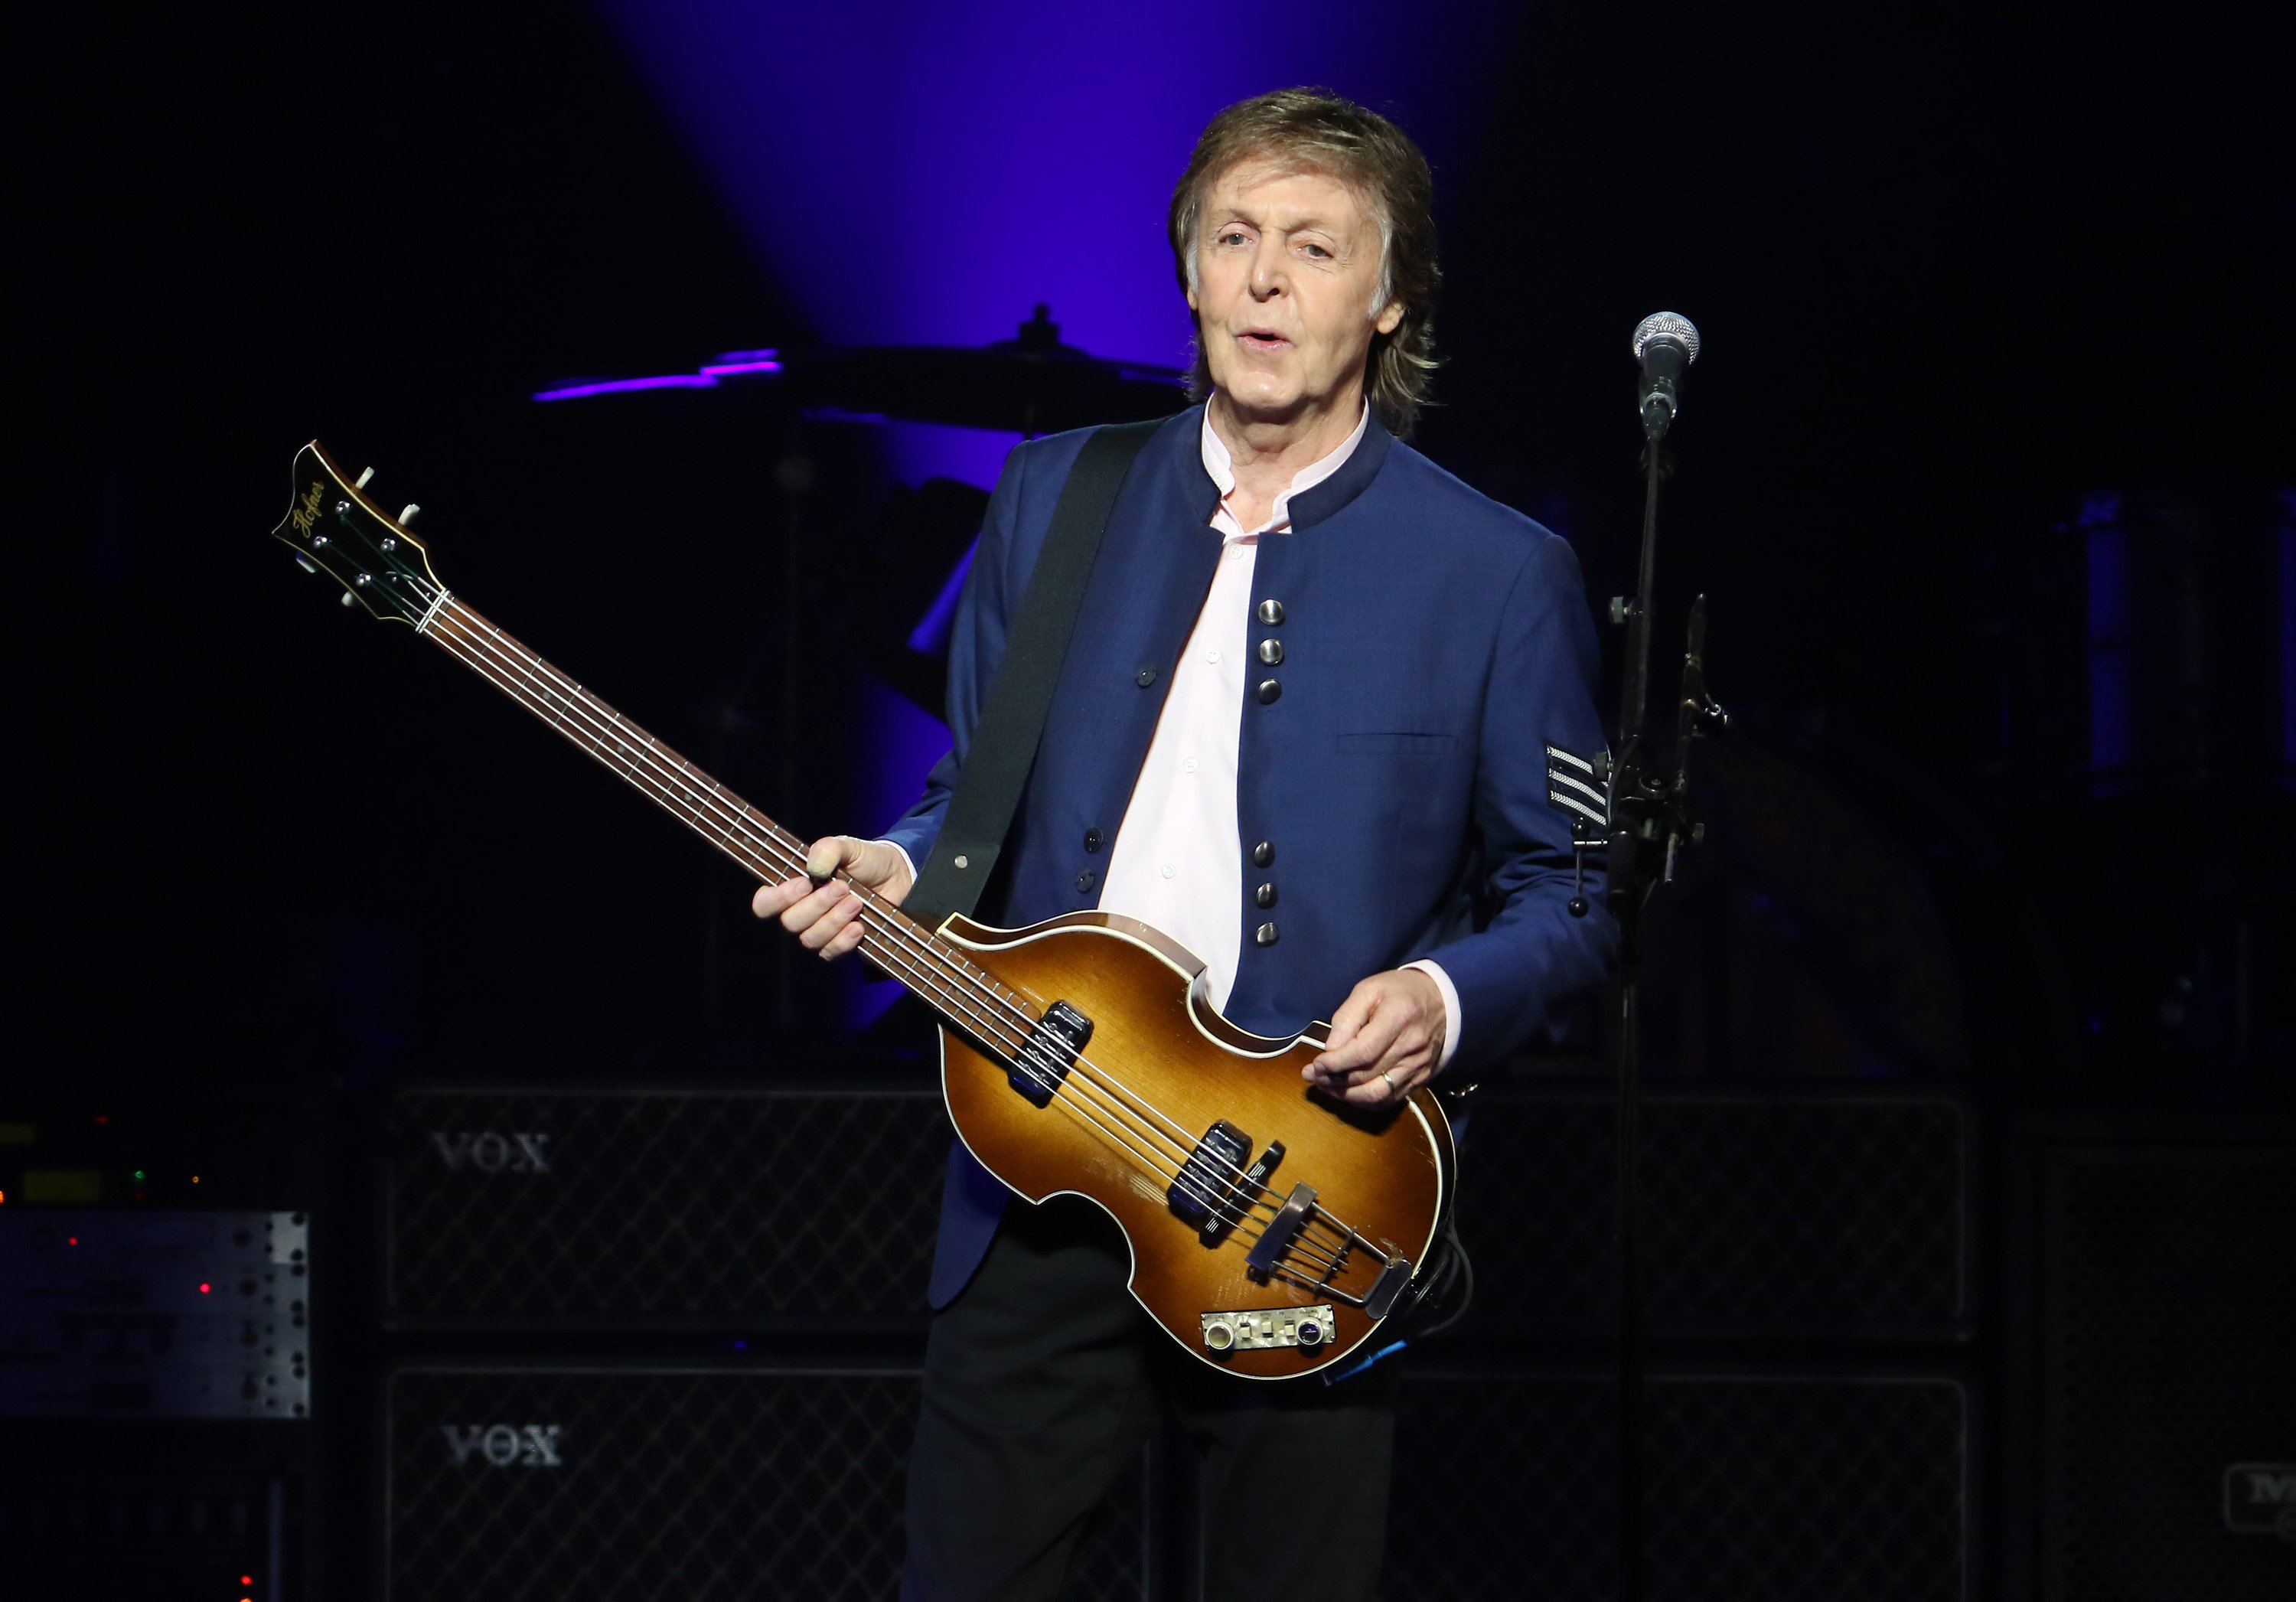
(1268, 270)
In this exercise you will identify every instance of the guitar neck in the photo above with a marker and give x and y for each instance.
(945, 979)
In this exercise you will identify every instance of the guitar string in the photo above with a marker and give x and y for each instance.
(638, 752)
(633, 755)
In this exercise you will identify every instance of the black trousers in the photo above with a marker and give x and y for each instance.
(1044, 1381)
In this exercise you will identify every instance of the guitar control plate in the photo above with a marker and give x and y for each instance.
(1280, 1326)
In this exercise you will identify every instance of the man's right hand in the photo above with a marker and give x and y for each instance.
(821, 910)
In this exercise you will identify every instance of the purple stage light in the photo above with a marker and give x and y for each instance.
(918, 173)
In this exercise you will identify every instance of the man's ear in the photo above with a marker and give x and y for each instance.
(1390, 317)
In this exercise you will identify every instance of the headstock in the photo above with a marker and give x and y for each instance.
(333, 527)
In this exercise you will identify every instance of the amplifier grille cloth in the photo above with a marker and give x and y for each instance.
(567, 1208)
(1792, 1491)
(1786, 1216)
(649, 1485)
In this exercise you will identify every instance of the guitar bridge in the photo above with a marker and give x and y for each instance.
(1042, 1064)
(1276, 1240)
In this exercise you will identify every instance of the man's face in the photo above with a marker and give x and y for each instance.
(1287, 263)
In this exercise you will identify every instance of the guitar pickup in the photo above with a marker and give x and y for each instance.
(1242, 1195)
(1203, 1192)
(1042, 1064)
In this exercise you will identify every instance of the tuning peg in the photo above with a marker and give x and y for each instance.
(306, 563)
(365, 474)
(349, 599)
(406, 514)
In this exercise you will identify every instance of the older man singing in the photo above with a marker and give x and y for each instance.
(1302, 728)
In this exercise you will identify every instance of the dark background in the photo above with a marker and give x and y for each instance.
(1979, 290)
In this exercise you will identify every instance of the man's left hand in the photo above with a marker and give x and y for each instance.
(1386, 1039)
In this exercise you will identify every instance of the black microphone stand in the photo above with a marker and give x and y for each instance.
(1649, 824)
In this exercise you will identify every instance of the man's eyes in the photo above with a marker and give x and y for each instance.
(1314, 249)
(1233, 236)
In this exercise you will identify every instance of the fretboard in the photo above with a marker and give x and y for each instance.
(941, 975)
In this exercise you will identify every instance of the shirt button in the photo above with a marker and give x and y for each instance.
(1144, 677)
(1271, 652)
(1263, 855)
(1212, 655)
(1086, 881)
(1189, 766)
(1269, 691)
(1170, 870)
(1264, 935)
(1092, 839)
(1263, 896)
(1271, 612)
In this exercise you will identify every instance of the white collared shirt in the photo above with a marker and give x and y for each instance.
(1178, 863)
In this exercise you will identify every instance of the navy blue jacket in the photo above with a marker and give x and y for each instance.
(1434, 644)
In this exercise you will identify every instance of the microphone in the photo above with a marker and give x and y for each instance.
(1665, 343)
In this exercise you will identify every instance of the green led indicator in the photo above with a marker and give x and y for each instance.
(139, 1176)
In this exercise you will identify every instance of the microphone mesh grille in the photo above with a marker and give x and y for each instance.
(1666, 323)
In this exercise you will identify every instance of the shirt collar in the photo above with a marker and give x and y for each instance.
(1221, 466)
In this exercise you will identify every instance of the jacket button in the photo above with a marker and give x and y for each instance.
(1265, 896)
(1265, 935)
(1271, 652)
(1144, 677)
(1092, 839)
(1086, 881)
(1271, 612)
(1263, 855)
(1269, 690)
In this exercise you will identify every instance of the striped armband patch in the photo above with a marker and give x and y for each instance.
(1571, 785)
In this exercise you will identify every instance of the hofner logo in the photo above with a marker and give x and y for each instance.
(2262, 1497)
(504, 1445)
(306, 516)
(519, 1152)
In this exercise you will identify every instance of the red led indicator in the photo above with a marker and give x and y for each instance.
(205, 1287)
(71, 1240)
(247, 1580)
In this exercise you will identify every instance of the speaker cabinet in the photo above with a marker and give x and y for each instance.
(1799, 1215)
(1852, 1488)
(549, 1209)
(2168, 1327)
(509, 1483)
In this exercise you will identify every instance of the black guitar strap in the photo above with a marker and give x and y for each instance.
(1003, 746)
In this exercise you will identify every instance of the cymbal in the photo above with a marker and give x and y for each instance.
(1031, 384)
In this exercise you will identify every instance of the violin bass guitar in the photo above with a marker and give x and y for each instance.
(1273, 1229)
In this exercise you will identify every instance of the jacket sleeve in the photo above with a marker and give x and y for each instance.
(1531, 956)
(976, 647)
